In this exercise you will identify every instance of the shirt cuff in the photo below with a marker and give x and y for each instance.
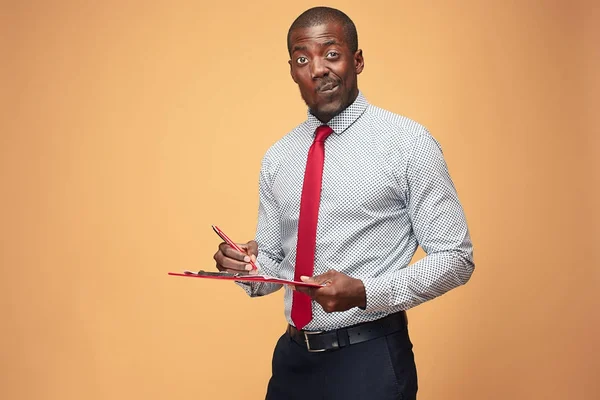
(378, 293)
(247, 286)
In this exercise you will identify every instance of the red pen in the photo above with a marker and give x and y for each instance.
(230, 242)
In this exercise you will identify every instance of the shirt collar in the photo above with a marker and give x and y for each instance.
(343, 120)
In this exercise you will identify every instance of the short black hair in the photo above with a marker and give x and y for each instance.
(322, 15)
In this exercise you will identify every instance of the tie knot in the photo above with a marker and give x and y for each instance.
(322, 133)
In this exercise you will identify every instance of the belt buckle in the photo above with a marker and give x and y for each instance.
(308, 333)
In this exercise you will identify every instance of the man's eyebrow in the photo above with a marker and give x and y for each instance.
(299, 48)
(324, 44)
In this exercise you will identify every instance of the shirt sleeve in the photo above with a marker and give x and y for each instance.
(268, 236)
(439, 224)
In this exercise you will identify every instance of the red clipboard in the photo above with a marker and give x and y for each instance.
(225, 276)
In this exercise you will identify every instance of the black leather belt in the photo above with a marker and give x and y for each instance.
(317, 341)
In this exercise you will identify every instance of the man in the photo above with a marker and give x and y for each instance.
(345, 199)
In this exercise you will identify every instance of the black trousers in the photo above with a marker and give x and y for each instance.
(379, 369)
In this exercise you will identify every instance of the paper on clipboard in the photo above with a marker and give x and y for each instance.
(242, 278)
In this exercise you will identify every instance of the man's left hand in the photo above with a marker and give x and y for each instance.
(341, 292)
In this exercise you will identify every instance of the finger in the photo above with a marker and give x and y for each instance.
(306, 289)
(224, 263)
(251, 248)
(230, 252)
(323, 279)
(221, 268)
(234, 271)
(236, 268)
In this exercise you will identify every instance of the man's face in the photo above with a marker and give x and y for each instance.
(325, 69)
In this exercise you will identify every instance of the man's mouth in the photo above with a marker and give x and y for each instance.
(328, 87)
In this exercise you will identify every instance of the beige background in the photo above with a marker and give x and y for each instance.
(128, 128)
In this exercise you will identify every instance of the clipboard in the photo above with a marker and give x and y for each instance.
(226, 276)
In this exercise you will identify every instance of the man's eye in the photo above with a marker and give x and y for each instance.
(301, 60)
(332, 54)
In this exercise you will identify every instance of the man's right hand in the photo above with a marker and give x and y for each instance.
(230, 260)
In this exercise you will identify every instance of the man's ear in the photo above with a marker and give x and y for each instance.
(359, 61)
(292, 71)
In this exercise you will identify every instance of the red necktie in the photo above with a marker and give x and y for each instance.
(307, 224)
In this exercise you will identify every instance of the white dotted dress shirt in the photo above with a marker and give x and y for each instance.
(386, 189)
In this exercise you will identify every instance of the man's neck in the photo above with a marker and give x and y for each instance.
(325, 118)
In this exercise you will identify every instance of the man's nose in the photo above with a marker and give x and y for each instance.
(318, 68)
